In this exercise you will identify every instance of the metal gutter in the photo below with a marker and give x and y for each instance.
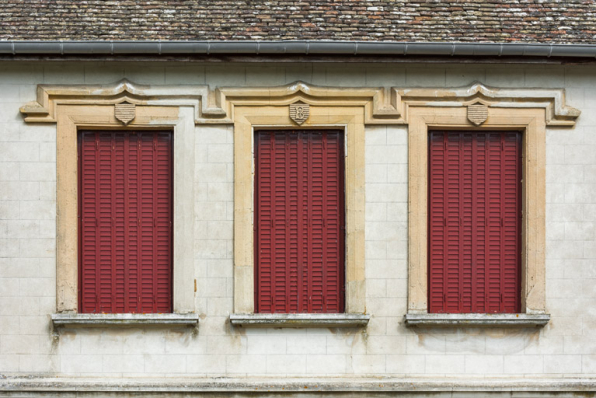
(301, 47)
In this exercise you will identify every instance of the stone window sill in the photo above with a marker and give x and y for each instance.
(476, 320)
(300, 320)
(102, 320)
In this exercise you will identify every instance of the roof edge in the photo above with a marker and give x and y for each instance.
(299, 47)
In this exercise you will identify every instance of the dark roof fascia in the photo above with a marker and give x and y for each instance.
(292, 48)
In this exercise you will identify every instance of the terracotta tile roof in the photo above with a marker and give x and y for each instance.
(528, 21)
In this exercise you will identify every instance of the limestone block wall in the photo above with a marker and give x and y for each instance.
(565, 347)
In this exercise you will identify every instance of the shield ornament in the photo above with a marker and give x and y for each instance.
(299, 112)
(125, 112)
(477, 113)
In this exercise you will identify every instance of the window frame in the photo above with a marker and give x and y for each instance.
(531, 122)
(71, 119)
(248, 119)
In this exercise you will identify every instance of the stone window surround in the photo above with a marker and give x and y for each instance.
(249, 119)
(181, 107)
(71, 118)
(74, 107)
(532, 123)
(330, 108)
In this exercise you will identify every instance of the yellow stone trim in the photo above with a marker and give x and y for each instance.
(249, 118)
(552, 101)
(210, 107)
(382, 105)
(71, 118)
(532, 123)
(379, 104)
(50, 97)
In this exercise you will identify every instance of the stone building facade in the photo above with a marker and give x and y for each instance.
(31, 345)
(386, 342)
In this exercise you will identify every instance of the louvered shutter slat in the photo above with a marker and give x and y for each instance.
(264, 220)
(104, 214)
(511, 221)
(334, 205)
(280, 220)
(118, 222)
(316, 220)
(453, 235)
(480, 217)
(467, 210)
(163, 224)
(132, 222)
(437, 223)
(292, 237)
(89, 238)
(493, 264)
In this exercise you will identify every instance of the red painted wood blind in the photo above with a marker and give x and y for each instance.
(125, 221)
(474, 240)
(299, 222)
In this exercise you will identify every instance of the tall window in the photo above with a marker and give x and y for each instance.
(299, 222)
(125, 221)
(474, 231)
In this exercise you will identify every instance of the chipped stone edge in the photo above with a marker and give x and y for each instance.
(101, 320)
(299, 320)
(494, 320)
(293, 385)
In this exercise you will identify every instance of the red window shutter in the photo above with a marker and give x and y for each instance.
(299, 222)
(125, 222)
(474, 223)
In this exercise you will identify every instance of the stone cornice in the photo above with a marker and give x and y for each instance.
(558, 113)
(361, 385)
(50, 96)
(382, 105)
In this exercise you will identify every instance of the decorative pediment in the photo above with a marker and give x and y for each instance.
(551, 100)
(382, 105)
(49, 97)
